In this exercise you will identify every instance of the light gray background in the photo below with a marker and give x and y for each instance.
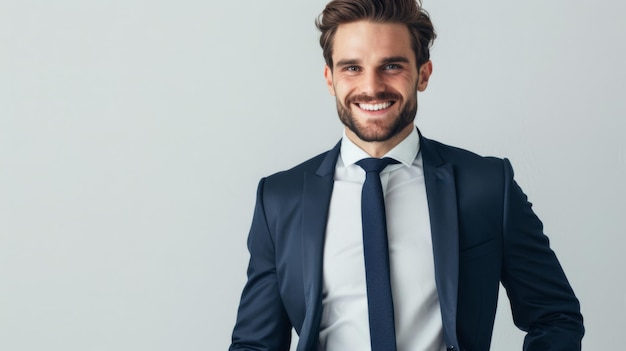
(133, 134)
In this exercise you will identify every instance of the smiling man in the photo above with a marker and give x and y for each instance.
(392, 241)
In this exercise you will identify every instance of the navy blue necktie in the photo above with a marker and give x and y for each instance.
(376, 252)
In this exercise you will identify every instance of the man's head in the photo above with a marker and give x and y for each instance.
(377, 58)
(407, 12)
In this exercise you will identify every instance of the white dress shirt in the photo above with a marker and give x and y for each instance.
(344, 324)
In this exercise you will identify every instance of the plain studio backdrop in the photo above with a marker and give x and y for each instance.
(133, 134)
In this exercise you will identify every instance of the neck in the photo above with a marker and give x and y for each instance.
(378, 149)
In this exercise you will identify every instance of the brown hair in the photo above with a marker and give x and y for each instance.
(408, 12)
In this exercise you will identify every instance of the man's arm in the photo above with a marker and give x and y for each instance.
(262, 323)
(542, 301)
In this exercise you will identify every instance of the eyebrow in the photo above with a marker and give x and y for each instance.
(384, 61)
(395, 59)
(347, 62)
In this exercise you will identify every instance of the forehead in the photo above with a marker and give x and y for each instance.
(366, 40)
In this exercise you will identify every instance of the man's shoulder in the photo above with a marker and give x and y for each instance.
(280, 187)
(479, 178)
(309, 166)
(457, 155)
(320, 165)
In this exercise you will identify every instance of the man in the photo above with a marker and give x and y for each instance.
(457, 224)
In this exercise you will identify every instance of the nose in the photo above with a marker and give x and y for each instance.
(372, 83)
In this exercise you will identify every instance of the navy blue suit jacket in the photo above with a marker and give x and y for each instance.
(483, 232)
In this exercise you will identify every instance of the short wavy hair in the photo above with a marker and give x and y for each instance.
(408, 12)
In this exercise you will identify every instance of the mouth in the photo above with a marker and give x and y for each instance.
(375, 107)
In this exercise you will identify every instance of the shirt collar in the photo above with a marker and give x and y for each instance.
(405, 152)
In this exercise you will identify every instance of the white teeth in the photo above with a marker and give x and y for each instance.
(375, 107)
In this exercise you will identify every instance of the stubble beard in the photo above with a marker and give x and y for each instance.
(377, 131)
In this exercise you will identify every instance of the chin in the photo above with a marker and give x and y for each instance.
(377, 133)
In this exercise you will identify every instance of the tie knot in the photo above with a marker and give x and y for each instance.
(375, 164)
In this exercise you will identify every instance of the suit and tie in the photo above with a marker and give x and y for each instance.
(484, 233)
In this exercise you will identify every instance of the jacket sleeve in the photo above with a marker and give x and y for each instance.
(542, 301)
(262, 323)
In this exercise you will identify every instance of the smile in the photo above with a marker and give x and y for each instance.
(375, 107)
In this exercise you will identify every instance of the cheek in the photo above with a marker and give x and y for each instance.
(340, 92)
(344, 85)
(408, 81)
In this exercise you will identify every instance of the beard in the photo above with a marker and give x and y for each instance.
(378, 130)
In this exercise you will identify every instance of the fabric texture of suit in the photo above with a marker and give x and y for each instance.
(484, 232)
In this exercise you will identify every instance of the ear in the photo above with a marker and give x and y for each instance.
(328, 74)
(425, 71)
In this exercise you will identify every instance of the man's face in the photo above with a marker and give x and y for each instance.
(375, 79)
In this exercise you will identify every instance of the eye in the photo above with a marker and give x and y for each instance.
(352, 68)
(391, 66)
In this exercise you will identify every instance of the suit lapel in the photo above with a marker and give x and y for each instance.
(316, 196)
(442, 206)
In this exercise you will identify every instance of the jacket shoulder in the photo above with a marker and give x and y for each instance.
(309, 166)
(290, 181)
(459, 155)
